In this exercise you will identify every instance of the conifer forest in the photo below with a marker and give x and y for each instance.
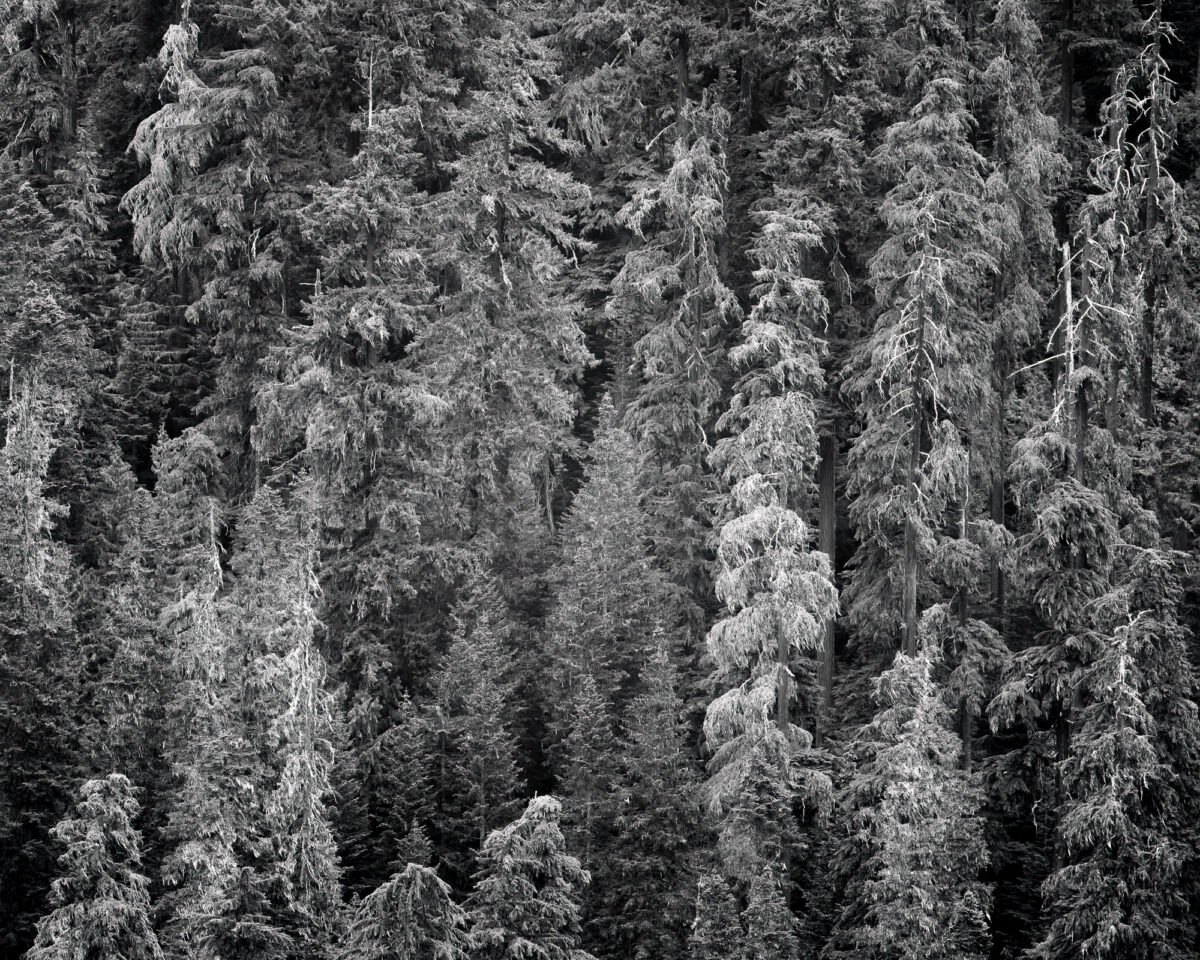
(599, 479)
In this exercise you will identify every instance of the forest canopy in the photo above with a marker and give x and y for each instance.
(599, 479)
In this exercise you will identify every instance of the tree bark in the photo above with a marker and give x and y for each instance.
(827, 487)
(911, 560)
(1146, 378)
(781, 685)
(1061, 209)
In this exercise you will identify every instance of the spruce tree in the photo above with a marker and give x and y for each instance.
(526, 898)
(912, 857)
(101, 900)
(586, 779)
(401, 786)
(410, 917)
(476, 781)
(717, 932)
(644, 882)
(768, 921)
(611, 594)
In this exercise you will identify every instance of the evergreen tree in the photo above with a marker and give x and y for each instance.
(1091, 552)
(671, 297)
(410, 917)
(101, 901)
(1119, 893)
(919, 375)
(47, 354)
(348, 391)
(400, 778)
(477, 780)
(769, 923)
(297, 811)
(229, 154)
(526, 899)
(611, 594)
(504, 347)
(586, 780)
(216, 893)
(644, 880)
(777, 592)
(716, 930)
(915, 848)
(811, 224)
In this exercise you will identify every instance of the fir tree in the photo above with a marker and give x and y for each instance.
(1120, 894)
(526, 899)
(505, 345)
(586, 780)
(611, 594)
(400, 777)
(769, 923)
(477, 780)
(227, 154)
(776, 590)
(716, 930)
(101, 901)
(1092, 549)
(410, 917)
(912, 859)
(644, 881)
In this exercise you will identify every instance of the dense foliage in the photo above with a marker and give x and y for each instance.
(753, 439)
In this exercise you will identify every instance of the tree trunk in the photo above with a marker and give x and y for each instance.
(1062, 725)
(997, 507)
(1061, 209)
(827, 485)
(1146, 379)
(781, 686)
(910, 536)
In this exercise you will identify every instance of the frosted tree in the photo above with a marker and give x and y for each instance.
(409, 917)
(526, 898)
(101, 901)
(915, 847)
(716, 930)
(776, 589)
